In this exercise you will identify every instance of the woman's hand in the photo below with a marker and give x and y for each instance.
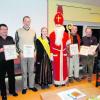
(51, 56)
(1, 49)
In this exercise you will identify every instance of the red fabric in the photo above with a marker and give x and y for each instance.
(56, 61)
(58, 19)
(17, 61)
(60, 9)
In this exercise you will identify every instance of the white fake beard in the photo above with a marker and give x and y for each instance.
(59, 31)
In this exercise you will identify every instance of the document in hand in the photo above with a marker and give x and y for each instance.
(88, 50)
(74, 49)
(92, 49)
(28, 51)
(10, 52)
(84, 50)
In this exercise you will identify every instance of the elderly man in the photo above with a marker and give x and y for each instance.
(58, 41)
(26, 36)
(88, 61)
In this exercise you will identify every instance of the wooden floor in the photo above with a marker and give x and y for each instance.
(36, 95)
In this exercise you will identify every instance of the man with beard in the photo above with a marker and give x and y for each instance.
(58, 41)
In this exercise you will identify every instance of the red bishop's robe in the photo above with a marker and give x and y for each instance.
(60, 69)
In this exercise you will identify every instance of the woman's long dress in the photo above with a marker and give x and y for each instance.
(43, 66)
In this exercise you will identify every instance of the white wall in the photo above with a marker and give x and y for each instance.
(12, 12)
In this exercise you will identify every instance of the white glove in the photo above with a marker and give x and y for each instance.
(51, 57)
(68, 42)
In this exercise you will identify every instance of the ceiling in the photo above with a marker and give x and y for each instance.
(90, 2)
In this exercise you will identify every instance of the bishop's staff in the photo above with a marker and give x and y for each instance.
(68, 27)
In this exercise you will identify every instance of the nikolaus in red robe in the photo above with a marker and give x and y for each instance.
(58, 41)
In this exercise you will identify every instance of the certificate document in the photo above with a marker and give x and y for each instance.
(92, 49)
(84, 50)
(74, 49)
(28, 51)
(10, 52)
(88, 50)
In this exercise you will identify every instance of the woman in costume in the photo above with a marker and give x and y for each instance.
(43, 65)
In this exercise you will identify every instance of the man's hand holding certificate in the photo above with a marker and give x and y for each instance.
(92, 49)
(10, 52)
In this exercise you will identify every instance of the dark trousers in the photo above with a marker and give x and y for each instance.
(89, 62)
(7, 67)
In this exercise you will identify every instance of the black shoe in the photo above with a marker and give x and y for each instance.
(43, 87)
(63, 85)
(24, 91)
(46, 86)
(77, 79)
(33, 89)
(89, 79)
(4, 97)
(14, 94)
(56, 85)
(84, 77)
(71, 80)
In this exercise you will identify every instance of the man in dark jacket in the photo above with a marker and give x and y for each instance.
(6, 66)
(88, 61)
(98, 67)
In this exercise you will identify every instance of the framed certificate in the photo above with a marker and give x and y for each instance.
(74, 49)
(28, 51)
(10, 52)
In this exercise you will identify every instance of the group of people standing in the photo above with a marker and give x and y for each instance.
(87, 61)
(49, 64)
(37, 69)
